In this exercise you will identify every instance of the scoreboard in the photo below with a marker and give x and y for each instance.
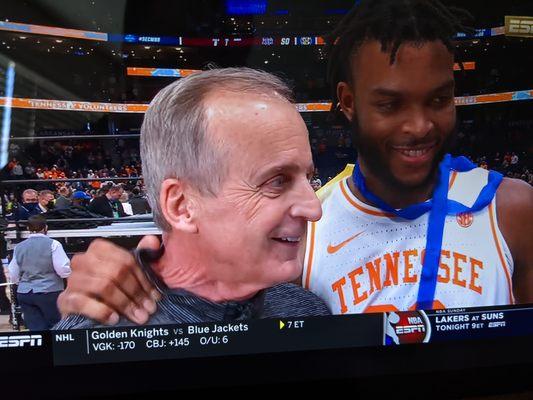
(220, 41)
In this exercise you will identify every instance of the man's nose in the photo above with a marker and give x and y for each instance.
(418, 123)
(306, 205)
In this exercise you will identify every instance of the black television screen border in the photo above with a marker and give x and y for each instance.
(437, 370)
(443, 368)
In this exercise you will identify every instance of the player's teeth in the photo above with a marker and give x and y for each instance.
(414, 153)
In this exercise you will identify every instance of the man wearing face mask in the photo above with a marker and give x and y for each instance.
(28, 206)
(45, 203)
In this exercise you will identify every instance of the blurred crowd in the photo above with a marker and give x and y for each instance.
(109, 200)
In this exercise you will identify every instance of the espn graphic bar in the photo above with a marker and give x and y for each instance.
(149, 342)
(158, 342)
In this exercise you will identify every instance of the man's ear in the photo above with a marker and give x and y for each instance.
(345, 95)
(178, 206)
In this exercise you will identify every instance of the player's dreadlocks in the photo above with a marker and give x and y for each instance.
(391, 22)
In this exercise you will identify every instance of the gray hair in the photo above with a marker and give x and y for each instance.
(29, 191)
(174, 139)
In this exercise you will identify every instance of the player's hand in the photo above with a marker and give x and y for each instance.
(107, 282)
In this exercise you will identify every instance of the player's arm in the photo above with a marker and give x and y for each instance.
(107, 282)
(514, 201)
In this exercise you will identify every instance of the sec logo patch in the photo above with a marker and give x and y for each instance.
(465, 219)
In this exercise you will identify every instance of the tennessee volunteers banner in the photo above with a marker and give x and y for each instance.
(86, 106)
(67, 105)
(52, 31)
(163, 72)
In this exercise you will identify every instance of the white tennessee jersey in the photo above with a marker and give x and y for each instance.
(361, 259)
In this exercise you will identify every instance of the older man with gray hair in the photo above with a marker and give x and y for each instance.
(227, 163)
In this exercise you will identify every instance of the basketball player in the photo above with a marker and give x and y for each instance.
(410, 227)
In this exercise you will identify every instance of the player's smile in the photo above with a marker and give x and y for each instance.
(415, 156)
(403, 124)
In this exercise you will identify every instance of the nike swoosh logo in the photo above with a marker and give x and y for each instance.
(332, 249)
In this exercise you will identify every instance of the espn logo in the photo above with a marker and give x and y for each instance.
(519, 26)
(21, 341)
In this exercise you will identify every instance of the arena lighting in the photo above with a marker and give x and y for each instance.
(6, 119)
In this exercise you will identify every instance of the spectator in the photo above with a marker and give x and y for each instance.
(94, 184)
(139, 204)
(100, 192)
(29, 196)
(506, 160)
(76, 185)
(316, 183)
(45, 202)
(514, 161)
(17, 171)
(125, 203)
(80, 199)
(11, 164)
(28, 207)
(108, 204)
(63, 201)
(29, 170)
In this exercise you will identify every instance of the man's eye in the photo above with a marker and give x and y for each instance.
(441, 101)
(387, 106)
(277, 182)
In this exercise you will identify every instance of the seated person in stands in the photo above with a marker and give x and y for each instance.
(63, 200)
(80, 199)
(45, 202)
(28, 206)
(139, 204)
(108, 204)
(227, 163)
